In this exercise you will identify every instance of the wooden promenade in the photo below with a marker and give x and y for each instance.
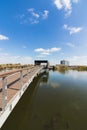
(12, 86)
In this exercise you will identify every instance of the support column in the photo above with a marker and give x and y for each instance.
(4, 93)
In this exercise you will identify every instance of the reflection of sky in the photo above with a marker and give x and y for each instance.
(50, 84)
(69, 79)
(77, 75)
(54, 85)
(65, 94)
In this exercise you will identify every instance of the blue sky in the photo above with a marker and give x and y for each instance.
(45, 29)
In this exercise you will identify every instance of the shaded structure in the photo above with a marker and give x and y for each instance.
(38, 62)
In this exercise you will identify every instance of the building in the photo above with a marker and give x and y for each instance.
(39, 62)
(64, 62)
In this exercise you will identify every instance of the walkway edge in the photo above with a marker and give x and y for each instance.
(12, 103)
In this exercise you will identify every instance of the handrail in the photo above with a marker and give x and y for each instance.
(4, 74)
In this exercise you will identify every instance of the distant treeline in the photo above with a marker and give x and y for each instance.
(79, 68)
(13, 66)
(64, 68)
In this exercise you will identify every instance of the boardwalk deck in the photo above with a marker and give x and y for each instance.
(12, 86)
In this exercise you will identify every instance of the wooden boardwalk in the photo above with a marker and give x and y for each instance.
(11, 83)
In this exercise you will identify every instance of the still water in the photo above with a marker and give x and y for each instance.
(54, 101)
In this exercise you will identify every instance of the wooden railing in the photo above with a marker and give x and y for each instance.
(5, 75)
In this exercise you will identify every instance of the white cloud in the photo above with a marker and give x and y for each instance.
(77, 60)
(33, 17)
(65, 4)
(54, 49)
(70, 44)
(39, 49)
(34, 21)
(30, 10)
(58, 4)
(6, 58)
(38, 15)
(65, 26)
(33, 13)
(72, 30)
(45, 14)
(75, 30)
(3, 37)
(47, 51)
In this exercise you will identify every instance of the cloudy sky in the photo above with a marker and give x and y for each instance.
(43, 29)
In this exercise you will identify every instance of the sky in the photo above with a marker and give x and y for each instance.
(51, 30)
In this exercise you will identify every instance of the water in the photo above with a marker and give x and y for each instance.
(55, 101)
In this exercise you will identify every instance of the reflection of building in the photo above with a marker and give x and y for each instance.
(45, 77)
(64, 62)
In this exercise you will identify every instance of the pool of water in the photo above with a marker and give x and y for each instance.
(54, 101)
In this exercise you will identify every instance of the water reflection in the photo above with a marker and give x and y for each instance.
(45, 77)
(62, 71)
(82, 75)
(21, 115)
(55, 101)
(54, 85)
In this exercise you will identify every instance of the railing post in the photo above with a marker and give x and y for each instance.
(27, 74)
(21, 79)
(4, 93)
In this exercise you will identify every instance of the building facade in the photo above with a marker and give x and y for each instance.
(64, 62)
